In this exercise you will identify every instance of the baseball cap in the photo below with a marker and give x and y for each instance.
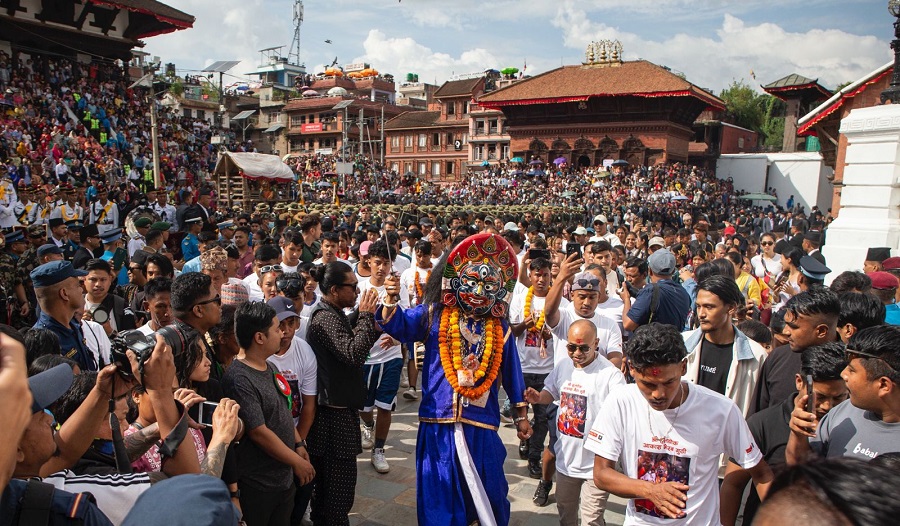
(662, 262)
(511, 227)
(656, 241)
(48, 386)
(580, 231)
(364, 248)
(284, 307)
(54, 272)
(600, 219)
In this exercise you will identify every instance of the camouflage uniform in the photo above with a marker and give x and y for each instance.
(28, 262)
(8, 280)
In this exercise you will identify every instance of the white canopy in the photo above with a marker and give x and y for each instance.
(254, 166)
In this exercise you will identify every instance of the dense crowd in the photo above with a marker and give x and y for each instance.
(167, 360)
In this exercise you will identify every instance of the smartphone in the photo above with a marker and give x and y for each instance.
(536, 253)
(810, 395)
(118, 259)
(782, 278)
(205, 416)
(573, 248)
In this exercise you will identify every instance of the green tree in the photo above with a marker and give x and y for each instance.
(773, 124)
(744, 105)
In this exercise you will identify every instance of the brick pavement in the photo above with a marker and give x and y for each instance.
(390, 499)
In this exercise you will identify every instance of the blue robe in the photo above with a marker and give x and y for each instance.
(441, 493)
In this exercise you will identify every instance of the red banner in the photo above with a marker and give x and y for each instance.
(312, 127)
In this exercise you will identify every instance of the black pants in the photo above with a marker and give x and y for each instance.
(267, 508)
(334, 490)
(301, 501)
(539, 428)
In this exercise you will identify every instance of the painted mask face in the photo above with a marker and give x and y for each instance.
(480, 286)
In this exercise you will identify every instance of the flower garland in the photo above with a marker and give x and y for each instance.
(451, 353)
(539, 324)
(420, 291)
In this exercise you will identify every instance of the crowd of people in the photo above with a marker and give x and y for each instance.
(167, 360)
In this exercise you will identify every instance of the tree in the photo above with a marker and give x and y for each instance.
(744, 105)
(773, 125)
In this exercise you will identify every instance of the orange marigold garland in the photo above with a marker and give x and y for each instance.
(420, 291)
(539, 324)
(450, 348)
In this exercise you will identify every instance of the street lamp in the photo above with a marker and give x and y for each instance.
(892, 93)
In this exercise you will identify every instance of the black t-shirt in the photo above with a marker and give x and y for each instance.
(262, 403)
(771, 431)
(776, 379)
(715, 361)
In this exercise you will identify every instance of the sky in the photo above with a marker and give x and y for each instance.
(713, 42)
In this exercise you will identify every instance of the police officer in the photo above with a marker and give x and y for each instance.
(60, 296)
(104, 213)
(190, 245)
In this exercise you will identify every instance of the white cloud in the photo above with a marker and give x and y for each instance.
(404, 55)
(736, 48)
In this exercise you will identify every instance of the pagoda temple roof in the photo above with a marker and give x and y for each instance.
(833, 104)
(795, 85)
(638, 78)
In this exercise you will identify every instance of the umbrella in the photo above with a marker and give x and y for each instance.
(509, 71)
(516, 172)
(517, 160)
(620, 162)
(323, 184)
(329, 174)
(485, 163)
(560, 160)
(310, 93)
(409, 173)
(602, 174)
(758, 197)
(642, 185)
(679, 198)
(568, 193)
(536, 162)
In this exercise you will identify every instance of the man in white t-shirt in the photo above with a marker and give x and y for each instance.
(384, 365)
(580, 385)
(534, 342)
(668, 435)
(413, 280)
(157, 304)
(296, 361)
(608, 306)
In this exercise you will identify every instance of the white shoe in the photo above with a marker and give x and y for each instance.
(411, 394)
(306, 520)
(379, 462)
(404, 380)
(368, 440)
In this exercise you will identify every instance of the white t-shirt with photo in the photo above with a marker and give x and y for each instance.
(580, 392)
(607, 331)
(379, 354)
(656, 446)
(298, 366)
(408, 282)
(528, 343)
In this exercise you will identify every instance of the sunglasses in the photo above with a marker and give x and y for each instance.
(851, 354)
(583, 348)
(270, 268)
(217, 300)
(766, 243)
(587, 282)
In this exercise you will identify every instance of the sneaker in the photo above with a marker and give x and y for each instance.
(378, 460)
(506, 412)
(411, 394)
(534, 469)
(368, 438)
(523, 449)
(542, 493)
(404, 379)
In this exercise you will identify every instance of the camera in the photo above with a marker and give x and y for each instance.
(142, 346)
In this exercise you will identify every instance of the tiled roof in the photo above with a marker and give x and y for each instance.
(412, 119)
(457, 88)
(579, 83)
(791, 80)
(152, 7)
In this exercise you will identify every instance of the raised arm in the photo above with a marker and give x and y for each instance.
(567, 269)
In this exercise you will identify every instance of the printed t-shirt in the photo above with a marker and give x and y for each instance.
(298, 366)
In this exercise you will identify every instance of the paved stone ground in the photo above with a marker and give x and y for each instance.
(390, 499)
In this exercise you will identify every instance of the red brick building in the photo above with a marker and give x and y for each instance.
(824, 122)
(602, 109)
(434, 144)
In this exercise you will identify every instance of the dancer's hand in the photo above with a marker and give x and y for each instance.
(524, 429)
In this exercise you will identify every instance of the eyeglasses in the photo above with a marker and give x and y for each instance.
(583, 348)
(850, 354)
(217, 300)
(767, 243)
(270, 268)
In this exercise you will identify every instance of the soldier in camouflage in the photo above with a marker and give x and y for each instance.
(16, 308)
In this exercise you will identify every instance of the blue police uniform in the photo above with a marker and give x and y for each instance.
(71, 339)
(64, 508)
(190, 247)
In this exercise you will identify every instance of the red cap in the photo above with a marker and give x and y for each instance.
(891, 263)
(883, 280)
